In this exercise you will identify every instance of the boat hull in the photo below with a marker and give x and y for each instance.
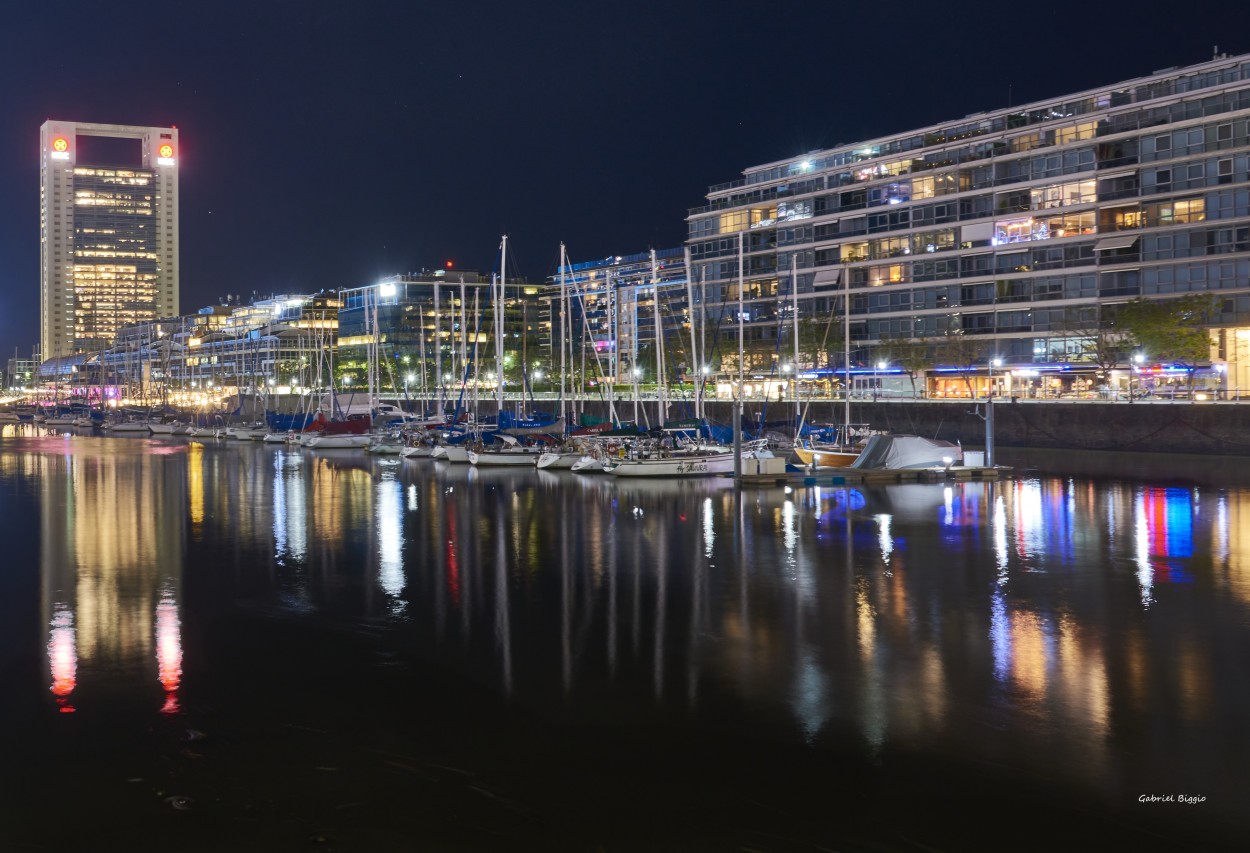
(675, 466)
(503, 459)
(130, 427)
(338, 442)
(552, 461)
(825, 458)
(450, 453)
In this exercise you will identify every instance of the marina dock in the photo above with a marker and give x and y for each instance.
(852, 476)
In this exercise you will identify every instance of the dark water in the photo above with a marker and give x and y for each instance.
(240, 646)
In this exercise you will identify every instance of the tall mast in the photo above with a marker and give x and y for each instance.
(371, 324)
(694, 341)
(423, 360)
(633, 345)
(438, 355)
(660, 396)
(614, 328)
(741, 322)
(564, 296)
(499, 314)
(794, 333)
(464, 331)
(846, 352)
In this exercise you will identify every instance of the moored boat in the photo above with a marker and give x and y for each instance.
(675, 465)
(343, 441)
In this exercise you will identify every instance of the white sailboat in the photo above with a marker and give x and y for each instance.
(510, 453)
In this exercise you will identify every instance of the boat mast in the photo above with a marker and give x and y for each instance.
(660, 395)
(564, 296)
(738, 401)
(464, 335)
(633, 346)
(438, 355)
(614, 326)
(694, 341)
(499, 313)
(846, 354)
(741, 322)
(794, 333)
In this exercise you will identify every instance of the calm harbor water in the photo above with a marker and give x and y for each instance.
(241, 646)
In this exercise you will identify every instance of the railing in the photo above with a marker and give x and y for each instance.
(1203, 397)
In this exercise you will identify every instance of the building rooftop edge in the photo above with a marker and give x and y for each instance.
(1178, 71)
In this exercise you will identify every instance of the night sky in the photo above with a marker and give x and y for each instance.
(326, 144)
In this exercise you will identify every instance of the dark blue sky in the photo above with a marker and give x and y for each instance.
(325, 144)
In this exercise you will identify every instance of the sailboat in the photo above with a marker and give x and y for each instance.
(816, 448)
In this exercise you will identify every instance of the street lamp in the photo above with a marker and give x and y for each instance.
(994, 362)
(1138, 358)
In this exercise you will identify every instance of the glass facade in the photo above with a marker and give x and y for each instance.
(115, 253)
(108, 235)
(1006, 225)
(611, 314)
(442, 319)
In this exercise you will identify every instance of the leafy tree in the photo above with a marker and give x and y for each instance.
(820, 341)
(913, 355)
(1171, 330)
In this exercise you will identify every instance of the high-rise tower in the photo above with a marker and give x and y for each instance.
(108, 233)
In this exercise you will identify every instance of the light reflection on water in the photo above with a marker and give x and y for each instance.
(1087, 629)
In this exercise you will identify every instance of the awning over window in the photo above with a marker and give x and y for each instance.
(975, 233)
(1119, 241)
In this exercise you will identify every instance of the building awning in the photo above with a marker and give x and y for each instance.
(1119, 241)
(978, 232)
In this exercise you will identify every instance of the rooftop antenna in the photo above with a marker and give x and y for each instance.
(1215, 51)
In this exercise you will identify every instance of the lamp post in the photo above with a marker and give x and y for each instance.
(994, 362)
(876, 383)
(1138, 358)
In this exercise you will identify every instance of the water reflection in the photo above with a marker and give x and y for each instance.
(111, 552)
(1024, 622)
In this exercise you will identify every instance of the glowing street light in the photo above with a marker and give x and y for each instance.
(994, 362)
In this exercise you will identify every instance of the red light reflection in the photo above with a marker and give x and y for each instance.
(63, 657)
(169, 651)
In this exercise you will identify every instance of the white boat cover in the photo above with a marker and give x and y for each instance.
(886, 452)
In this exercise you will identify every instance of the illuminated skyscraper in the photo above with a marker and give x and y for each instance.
(108, 232)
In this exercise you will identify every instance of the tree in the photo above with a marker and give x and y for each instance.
(820, 341)
(1098, 336)
(1171, 330)
(913, 355)
(961, 352)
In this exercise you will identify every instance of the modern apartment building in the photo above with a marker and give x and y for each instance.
(1015, 228)
(420, 329)
(108, 232)
(612, 318)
